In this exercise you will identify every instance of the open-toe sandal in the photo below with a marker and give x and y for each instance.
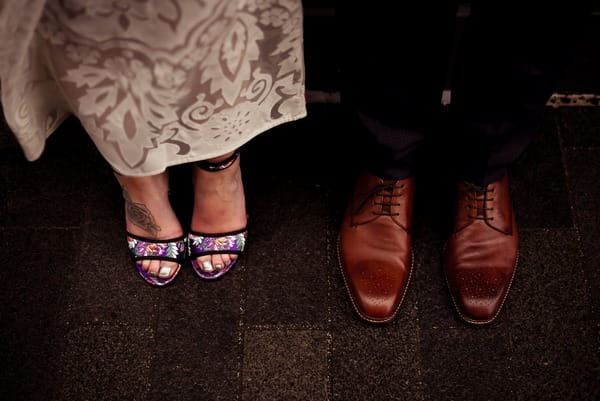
(202, 244)
(173, 250)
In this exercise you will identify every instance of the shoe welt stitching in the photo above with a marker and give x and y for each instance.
(482, 322)
(362, 315)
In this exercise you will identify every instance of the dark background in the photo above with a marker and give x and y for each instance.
(77, 322)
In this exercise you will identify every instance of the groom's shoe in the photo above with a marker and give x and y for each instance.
(374, 246)
(481, 255)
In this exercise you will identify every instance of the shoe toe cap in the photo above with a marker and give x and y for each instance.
(377, 290)
(479, 293)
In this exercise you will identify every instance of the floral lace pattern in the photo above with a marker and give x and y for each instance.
(154, 82)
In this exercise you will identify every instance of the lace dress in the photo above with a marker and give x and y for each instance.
(154, 82)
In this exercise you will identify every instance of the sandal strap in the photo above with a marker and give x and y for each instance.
(146, 249)
(207, 244)
(222, 165)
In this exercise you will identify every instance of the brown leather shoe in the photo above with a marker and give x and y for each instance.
(374, 246)
(481, 255)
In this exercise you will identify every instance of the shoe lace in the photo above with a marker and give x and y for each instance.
(478, 194)
(389, 198)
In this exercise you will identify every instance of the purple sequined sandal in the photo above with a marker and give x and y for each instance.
(201, 244)
(173, 250)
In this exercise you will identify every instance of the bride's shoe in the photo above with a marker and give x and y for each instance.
(202, 244)
(173, 250)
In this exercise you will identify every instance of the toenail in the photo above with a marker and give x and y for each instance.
(207, 266)
(164, 271)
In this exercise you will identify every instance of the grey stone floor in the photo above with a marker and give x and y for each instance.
(77, 322)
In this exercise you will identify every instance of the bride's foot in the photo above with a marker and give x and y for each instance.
(154, 232)
(219, 218)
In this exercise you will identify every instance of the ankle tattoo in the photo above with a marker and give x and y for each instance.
(139, 215)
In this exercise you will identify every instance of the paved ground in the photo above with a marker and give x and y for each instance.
(77, 323)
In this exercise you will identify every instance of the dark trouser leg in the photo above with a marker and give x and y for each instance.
(393, 63)
(509, 64)
(507, 69)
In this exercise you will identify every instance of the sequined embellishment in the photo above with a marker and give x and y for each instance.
(204, 244)
(228, 243)
(141, 249)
